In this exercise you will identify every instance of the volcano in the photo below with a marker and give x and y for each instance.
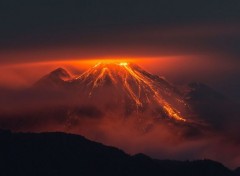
(124, 89)
(122, 105)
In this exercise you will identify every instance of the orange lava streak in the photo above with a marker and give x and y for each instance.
(171, 112)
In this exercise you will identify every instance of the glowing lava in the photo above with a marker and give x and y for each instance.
(142, 88)
(123, 64)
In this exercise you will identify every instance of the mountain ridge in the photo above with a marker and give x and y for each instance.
(67, 154)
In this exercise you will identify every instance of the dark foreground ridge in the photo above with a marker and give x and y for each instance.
(60, 154)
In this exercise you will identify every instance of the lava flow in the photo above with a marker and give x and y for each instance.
(146, 91)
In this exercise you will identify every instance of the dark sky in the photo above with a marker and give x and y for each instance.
(47, 23)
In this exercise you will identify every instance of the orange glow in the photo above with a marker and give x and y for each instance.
(172, 67)
(123, 64)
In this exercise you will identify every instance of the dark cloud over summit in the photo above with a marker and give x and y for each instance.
(89, 22)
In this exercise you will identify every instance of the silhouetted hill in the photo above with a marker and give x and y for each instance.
(67, 154)
(237, 171)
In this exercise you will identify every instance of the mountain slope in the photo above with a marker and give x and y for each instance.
(210, 105)
(128, 88)
(66, 154)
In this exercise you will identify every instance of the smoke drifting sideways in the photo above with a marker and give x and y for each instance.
(38, 110)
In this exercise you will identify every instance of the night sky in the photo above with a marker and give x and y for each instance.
(160, 26)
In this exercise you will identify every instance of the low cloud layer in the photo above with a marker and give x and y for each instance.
(53, 110)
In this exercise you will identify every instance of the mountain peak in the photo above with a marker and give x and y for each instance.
(60, 73)
(54, 78)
